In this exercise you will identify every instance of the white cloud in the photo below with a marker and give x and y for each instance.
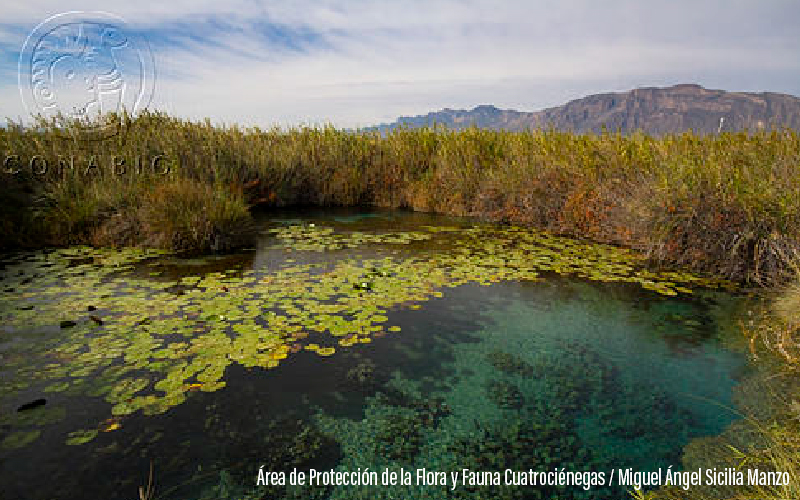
(371, 61)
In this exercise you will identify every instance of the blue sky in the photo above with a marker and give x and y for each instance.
(357, 63)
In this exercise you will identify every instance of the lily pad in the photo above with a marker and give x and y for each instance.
(81, 437)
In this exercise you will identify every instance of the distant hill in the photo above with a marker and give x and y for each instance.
(652, 110)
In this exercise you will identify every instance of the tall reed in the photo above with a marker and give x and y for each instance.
(727, 204)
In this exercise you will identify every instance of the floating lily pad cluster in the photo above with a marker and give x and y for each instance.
(488, 254)
(87, 321)
(319, 239)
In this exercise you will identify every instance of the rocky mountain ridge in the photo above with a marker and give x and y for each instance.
(652, 110)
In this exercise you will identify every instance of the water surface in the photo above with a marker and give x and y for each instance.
(354, 339)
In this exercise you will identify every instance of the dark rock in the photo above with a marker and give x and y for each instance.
(36, 403)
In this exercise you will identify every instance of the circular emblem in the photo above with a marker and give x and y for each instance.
(78, 67)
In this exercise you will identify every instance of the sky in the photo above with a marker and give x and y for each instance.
(354, 63)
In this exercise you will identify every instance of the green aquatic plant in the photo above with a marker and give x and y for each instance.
(284, 443)
(509, 363)
(81, 437)
(311, 237)
(529, 442)
(398, 435)
(364, 376)
(148, 342)
(19, 439)
(504, 394)
(767, 437)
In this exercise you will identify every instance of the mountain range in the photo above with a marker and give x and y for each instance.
(652, 110)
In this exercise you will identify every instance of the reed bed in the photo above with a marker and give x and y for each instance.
(727, 204)
(767, 437)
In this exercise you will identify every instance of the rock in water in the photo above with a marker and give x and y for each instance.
(33, 404)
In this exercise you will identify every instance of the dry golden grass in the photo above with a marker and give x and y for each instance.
(185, 215)
(727, 204)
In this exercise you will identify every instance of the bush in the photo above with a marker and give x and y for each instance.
(187, 215)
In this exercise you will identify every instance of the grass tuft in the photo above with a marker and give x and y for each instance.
(187, 215)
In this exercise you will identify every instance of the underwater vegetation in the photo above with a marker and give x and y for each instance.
(504, 394)
(608, 420)
(509, 363)
(767, 438)
(398, 435)
(545, 430)
(529, 442)
(113, 324)
(285, 442)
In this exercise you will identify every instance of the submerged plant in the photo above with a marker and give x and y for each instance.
(398, 435)
(146, 343)
(504, 394)
(509, 363)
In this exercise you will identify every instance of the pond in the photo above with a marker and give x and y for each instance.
(349, 340)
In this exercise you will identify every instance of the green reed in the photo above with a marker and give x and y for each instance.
(727, 204)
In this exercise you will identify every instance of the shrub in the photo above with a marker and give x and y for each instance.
(187, 215)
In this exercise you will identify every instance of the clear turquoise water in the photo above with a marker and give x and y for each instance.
(554, 374)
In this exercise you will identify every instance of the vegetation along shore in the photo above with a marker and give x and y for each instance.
(726, 205)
